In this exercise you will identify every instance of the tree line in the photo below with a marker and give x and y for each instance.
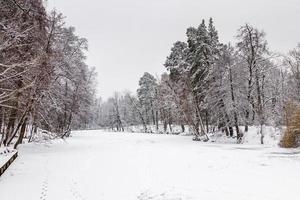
(212, 86)
(44, 80)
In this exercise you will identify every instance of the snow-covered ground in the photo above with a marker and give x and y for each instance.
(272, 135)
(5, 155)
(95, 165)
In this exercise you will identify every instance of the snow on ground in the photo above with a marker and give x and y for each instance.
(95, 165)
(272, 135)
(5, 155)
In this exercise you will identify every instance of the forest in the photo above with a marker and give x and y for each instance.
(210, 87)
(45, 83)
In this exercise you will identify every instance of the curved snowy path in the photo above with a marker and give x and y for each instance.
(94, 165)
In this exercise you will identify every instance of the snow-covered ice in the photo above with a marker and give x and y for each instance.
(95, 165)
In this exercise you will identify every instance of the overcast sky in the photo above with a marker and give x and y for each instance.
(129, 37)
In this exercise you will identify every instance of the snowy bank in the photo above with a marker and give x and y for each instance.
(272, 135)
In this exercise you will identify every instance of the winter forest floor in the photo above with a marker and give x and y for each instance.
(94, 165)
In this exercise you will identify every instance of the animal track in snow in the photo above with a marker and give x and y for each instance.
(44, 190)
(76, 194)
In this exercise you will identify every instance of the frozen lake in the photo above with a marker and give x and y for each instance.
(95, 165)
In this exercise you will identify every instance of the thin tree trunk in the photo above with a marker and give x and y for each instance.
(170, 120)
(152, 113)
(156, 120)
(182, 128)
(206, 120)
(236, 124)
(259, 106)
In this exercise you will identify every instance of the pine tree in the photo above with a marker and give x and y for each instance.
(147, 94)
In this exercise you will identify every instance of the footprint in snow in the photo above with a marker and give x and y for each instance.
(44, 190)
(75, 192)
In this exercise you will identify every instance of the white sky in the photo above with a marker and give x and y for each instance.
(128, 37)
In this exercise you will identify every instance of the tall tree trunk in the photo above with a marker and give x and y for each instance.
(64, 125)
(33, 131)
(152, 113)
(164, 119)
(170, 120)
(1, 120)
(235, 117)
(259, 105)
(203, 131)
(206, 120)
(1, 125)
(182, 128)
(165, 126)
(21, 135)
(249, 98)
(156, 120)
(230, 131)
(247, 118)
(10, 125)
(21, 121)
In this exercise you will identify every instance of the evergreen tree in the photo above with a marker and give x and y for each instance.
(147, 93)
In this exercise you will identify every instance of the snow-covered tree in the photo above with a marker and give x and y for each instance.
(44, 81)
(147, 94)
(292, 60)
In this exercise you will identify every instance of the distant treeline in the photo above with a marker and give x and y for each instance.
(212, 86)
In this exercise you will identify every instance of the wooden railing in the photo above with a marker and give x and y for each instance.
(7, 164)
